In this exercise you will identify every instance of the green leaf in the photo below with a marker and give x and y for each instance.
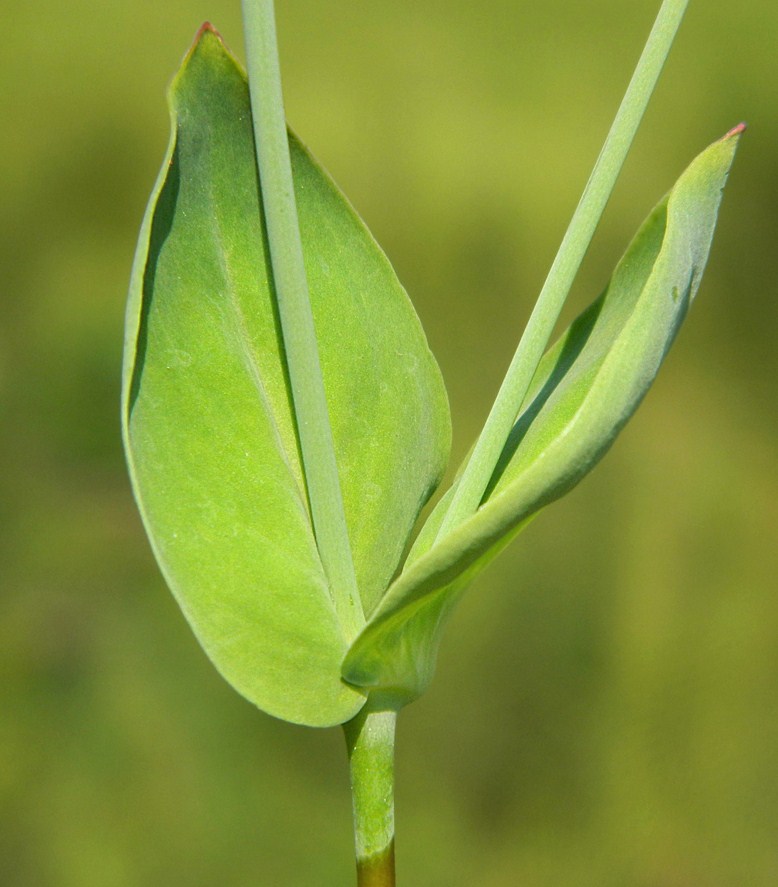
(585, 390)
(209, 426)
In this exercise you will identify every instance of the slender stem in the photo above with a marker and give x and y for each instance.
(480, 467)
(294, 308)
(370, 742)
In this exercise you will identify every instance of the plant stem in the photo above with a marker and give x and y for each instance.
(480, 467)
(370, 743)
(294, 308)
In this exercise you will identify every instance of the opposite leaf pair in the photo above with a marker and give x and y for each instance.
(210, 427)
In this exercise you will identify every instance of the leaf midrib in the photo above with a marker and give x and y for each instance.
(250, 362)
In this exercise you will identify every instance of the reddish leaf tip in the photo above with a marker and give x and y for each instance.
(206, 28)
(735, 131)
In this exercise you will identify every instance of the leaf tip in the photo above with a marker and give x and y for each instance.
(735, 131)
(206, 27)
(208, 43)
(206, 31)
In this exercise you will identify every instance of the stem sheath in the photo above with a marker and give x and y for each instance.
(294, 308)
(477, 473)
(370, 743)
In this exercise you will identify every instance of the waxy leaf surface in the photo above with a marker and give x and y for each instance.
(208, 418)
(585, 389)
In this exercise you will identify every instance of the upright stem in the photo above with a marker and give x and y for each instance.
(480, 467)
(370, 742)
(294, 308)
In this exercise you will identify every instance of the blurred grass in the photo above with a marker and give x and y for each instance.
(606, 707)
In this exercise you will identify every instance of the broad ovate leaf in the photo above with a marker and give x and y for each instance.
(584, 391)
(209, 425)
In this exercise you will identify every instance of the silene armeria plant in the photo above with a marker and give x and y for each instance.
(285, 422)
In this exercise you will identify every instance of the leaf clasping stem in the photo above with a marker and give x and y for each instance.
(294, 307)
(480, 467)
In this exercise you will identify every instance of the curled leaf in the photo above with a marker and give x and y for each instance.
(585, 390)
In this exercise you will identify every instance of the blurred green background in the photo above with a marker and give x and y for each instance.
(606, 706)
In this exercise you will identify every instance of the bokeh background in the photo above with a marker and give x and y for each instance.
(606, 706)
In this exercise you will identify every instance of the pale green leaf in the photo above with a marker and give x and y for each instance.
(585, 389)
(208, 420)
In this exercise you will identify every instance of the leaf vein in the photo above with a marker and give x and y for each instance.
(250, 361)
